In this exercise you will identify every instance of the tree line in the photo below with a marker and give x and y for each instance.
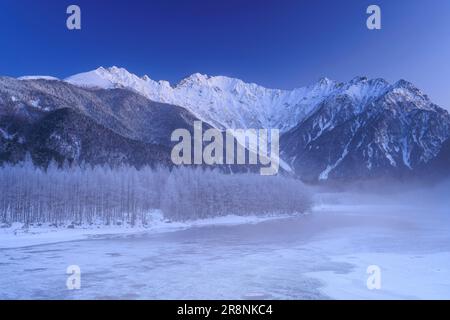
(87, 195)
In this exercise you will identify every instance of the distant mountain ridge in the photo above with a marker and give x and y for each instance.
(226, 102)
(359, 129)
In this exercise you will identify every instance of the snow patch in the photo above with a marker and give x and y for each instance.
(50, 78)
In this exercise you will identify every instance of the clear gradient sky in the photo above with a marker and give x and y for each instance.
(279, 44)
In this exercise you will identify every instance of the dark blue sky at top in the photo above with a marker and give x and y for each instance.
(280, 44)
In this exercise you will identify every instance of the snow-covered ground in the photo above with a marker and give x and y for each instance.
(17, 235)
(317, 256)
(407, 236)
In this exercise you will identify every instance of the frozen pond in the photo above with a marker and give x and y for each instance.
(319, 256)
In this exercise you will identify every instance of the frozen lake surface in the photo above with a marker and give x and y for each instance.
(323, 255)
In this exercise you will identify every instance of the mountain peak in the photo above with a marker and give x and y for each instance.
(406, 88)
(359, 79)
(116, 71)
(324, 86)
(195, 78)
(402, 83)
(105, 78)
(324, 80)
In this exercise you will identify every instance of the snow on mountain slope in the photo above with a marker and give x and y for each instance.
(38, 78)
(364, 127)
(231, 103)
(329, 130)
(222, 101)
(387, 134)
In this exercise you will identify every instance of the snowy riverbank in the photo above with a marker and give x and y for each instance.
(17, 235)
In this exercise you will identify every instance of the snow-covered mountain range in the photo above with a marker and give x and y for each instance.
(330, 130)
(223, 102)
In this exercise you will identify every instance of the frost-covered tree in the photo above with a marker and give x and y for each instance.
(83, 194)
(191, 194)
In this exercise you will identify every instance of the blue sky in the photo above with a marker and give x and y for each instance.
(280, 44)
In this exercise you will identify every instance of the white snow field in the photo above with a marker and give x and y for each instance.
(322, 255)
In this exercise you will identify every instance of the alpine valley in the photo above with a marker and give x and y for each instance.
(361, 129)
